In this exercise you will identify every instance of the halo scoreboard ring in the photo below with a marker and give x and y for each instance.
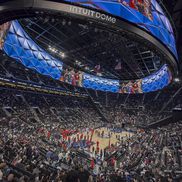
(14, 9)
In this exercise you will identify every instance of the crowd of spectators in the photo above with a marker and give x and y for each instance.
(137, 109)
(27, 155)
(33, 148)
(30, 147)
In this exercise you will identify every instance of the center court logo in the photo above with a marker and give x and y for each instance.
(91, 13)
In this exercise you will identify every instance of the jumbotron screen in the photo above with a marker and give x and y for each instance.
(146, 14)
(17, 44)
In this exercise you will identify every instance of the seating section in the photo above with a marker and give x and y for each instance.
(34, 147)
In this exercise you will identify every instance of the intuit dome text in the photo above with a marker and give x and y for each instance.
(91, 13)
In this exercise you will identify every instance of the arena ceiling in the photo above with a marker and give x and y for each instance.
(89, 47)
(93, 49)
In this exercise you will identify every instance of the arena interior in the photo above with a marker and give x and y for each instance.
(90, 91)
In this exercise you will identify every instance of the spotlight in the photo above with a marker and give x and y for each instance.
(64, 22)
(37, 12)
(62, 54)
(46, 19)
(54, 50)
(177, 80)
(52, 20)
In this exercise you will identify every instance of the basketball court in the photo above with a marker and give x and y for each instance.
(105, 141)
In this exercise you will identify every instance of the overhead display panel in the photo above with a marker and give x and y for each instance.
(4, 28)
(19, 46)
(72, 76)
(146, 14)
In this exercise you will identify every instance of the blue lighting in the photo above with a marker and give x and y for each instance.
(151, 18)
(19, 46)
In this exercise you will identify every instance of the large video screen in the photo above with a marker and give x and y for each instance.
(19, 46)
(3, 30)
(142, 6)
(132, 87)
(146, 14)
(72, 76)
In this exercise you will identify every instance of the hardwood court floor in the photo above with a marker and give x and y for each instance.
(104, 142)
